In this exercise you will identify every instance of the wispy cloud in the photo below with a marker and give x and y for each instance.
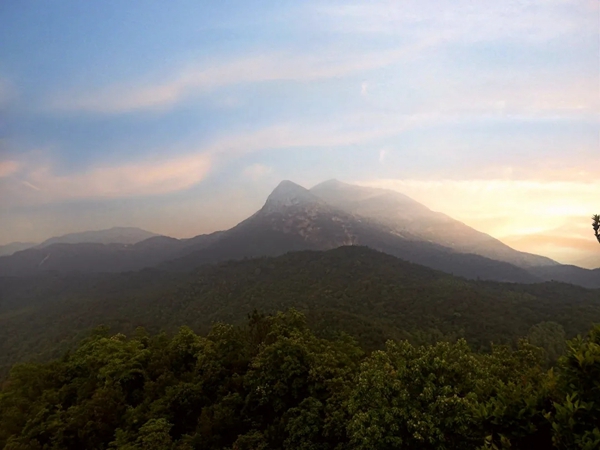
(257, 171)
(468, 93)
(294, 135)
(576, 246)
(8, 168)
(42, 182)
(198, 79)
(45, 185)
(460, 20)
(383, 154)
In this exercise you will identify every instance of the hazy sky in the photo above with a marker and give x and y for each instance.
(181, 116)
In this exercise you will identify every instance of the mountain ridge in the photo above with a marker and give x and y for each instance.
(294, 218)
(402, 213)
(114, 235)
(14, 247)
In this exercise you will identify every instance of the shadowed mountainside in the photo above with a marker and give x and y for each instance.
(368, 294)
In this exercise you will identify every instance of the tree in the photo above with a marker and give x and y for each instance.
(576, 417)
(410, 397)
(551, 337)
(596, 225)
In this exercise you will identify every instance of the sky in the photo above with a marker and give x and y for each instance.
(180, 117)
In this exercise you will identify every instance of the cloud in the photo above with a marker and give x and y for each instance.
(349, 129)
(471, 92)
(461, 20)
(534, 94)
(364, 89)
(518, 89)
(383, 154)
(44, 185)
(572, 243)
(257, 171)
(195, 80)
(581, 245)
(41, 182)
(8, 168)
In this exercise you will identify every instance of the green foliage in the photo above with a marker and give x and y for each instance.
(551, 337)
(416, 397)
(274, 384)
(370, 295)
(153, 435)
(576, 421)
(387, 355)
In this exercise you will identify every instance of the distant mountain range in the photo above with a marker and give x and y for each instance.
(293, 218)
(115, 235)
(13, 247)
(330, 215)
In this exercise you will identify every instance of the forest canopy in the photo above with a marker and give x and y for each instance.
(273, 384)
(370, 295)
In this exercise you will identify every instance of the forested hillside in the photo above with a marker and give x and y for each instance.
(370, 295)
(273, 384)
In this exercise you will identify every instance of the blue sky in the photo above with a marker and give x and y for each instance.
(181, 116)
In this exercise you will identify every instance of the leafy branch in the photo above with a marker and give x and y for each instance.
(596, 225)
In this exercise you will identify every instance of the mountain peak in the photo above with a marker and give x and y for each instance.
(288, 193)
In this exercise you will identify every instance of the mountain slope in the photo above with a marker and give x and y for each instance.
(295, 219)
(291, 219)
(95, 257)
(115, 235)
(405, 215)
(368, 294)
(14, 247)
(589, 278)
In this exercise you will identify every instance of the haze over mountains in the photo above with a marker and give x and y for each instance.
(404, 215)
(115, 235)
(330, 215)
(13, 247)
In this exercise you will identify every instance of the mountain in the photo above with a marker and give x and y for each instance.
(115, 235)
(569, 274)
(408, 217)
(95, 257)
(371, 295)
(13, 247)
(293, 218)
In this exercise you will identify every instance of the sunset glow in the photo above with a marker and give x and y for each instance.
(182, 122)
